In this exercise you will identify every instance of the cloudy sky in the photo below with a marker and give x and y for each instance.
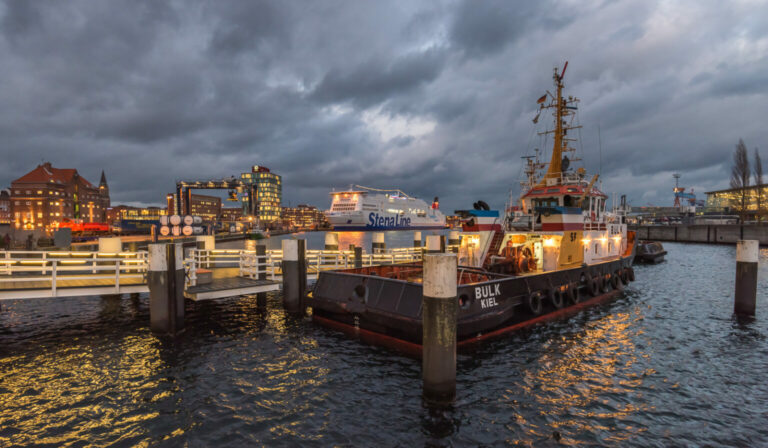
(434, 97)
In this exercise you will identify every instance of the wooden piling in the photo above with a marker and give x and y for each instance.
(745, 294)
(439, 320)
(331, 241)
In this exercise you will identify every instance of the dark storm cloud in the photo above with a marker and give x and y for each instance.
(435, 98)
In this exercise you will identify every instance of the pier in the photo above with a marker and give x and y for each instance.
(209, 273)
(704, 233)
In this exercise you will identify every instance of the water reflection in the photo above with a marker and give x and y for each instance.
(666, 364)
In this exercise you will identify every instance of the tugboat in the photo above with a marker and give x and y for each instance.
(573, 254)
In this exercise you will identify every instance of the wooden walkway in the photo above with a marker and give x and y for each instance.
(230, 287)
(71, 287)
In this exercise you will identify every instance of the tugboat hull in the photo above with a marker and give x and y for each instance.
(385, 302)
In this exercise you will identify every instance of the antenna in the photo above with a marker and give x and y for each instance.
(600, 146)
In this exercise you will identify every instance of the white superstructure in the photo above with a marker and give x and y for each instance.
(362, 208)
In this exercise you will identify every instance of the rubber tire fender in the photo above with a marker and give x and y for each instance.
(602, 283)
(592, 286)
(631, 274)
(573, 292)
(535, 304)
(624, 276)
(615, 280)
(556, 297)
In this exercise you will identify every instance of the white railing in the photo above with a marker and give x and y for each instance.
(58, 267)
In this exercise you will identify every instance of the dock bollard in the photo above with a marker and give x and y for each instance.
(433, 245)
(454, 240)
(417, 239)
(746, 277)
(261, 252)
(331, 241)
(294, 275)
(377, 243)
(440, 309)
(166, 288)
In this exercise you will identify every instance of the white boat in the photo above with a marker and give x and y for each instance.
(363, 208)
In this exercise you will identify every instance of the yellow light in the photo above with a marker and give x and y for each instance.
(603, 240)
(549, 242)
(58, 254)
(585, 241)
(617, 237)
(107, 254)
(80, 254)
(72, 261)
(127, 254)
(41, 262)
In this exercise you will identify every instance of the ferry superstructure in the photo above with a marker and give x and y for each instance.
(362, 208)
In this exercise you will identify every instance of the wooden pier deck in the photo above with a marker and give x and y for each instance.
(230, 287)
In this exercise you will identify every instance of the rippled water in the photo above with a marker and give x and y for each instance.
(665, 364)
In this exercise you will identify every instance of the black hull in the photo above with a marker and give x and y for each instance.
(392, 308)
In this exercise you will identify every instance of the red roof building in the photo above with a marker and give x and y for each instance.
(46, 196)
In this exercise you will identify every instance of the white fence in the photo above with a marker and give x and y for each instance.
(108, 272)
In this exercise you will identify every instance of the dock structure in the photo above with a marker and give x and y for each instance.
(208, 273)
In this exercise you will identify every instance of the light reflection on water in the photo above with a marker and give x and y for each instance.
(665, 364)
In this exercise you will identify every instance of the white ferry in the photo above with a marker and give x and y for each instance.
(363, 208)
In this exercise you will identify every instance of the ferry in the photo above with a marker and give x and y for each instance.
(560, 250)
(363, 208)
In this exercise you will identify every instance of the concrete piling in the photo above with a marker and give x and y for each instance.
(166, 288)
(205, 242)
(433, 245)
(377, 243)
(454, 240)
(261, 252)
(358, 257)
(294, 275)
(747, 252)
(417, 239)
(331, 241)
(439, 319)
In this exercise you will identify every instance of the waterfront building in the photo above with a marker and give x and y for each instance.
(207, 207)
(45, 196)
(269, 193)
(230, 214)
(730, 199)
(5, 207)
(303, 217)
(120, 212)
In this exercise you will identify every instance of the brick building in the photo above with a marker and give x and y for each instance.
(120, 212)
(303, 217)
(5, 207)
(45, 196)
(207, 207)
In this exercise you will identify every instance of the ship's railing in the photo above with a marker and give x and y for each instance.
(50, 269)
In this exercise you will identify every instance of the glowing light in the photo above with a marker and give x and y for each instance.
(72, 261)
(549, 242)
(585, 241)
(603, 240)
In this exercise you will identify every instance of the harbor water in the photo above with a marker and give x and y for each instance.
(666, 364)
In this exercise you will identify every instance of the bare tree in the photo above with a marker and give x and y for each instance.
(740, 174)
(758, 171)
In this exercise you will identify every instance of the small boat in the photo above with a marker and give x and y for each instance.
(362, 208)
(650, 252)
(561, 250)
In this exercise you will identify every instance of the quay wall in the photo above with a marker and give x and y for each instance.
(704, 233)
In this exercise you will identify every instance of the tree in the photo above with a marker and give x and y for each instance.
(740, 174)
(758, 169)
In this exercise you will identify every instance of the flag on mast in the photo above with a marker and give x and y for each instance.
(542, 99)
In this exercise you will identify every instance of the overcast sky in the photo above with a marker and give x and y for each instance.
(432, 97)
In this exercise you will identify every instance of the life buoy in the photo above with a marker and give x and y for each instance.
(556, 297)
(534, 303)
(631, 274)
